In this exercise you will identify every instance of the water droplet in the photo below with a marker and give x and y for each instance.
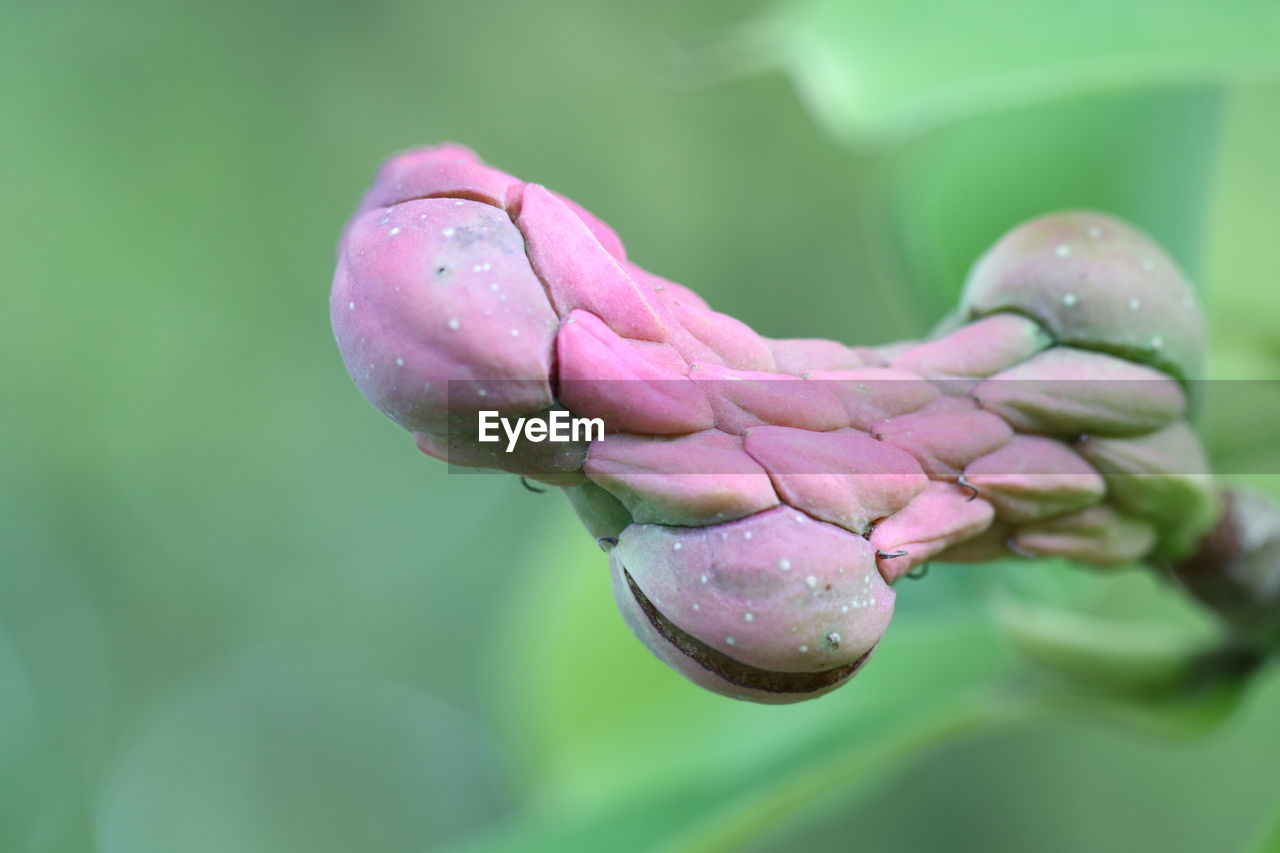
(1069, 299)
(1062, 251)
(454, 324)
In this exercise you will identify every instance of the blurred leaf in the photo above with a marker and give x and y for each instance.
(876, 70)
(1242, 307)
(1120, 629)
(1121, 645)
(690, 816)
(1269, 839)
(275, 752)
(1146, 157)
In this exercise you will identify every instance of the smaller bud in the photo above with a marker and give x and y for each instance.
(777, 607)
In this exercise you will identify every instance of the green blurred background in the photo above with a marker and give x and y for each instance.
(238, 610)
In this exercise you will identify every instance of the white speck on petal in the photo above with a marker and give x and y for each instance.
(804, 650)
(459, 203)
(483, 392)
(697, 607)
(677, 546)
(486, 266)
(747, 617)
(448, 232)
(844, 608)
(1157, 341)
(351, 306)
(731, 641)
(703, 579)
(454, 324)
(1062, 251)
(393, 232)
(1135, 304)
(747, 535)
(1095, 232)
(493, 286)
(811, 581)
(515, 333)
(784, 564)
(399, 362)
(1069, 299)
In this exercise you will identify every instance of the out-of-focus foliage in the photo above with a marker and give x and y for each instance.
(873, 71)
(238, 611)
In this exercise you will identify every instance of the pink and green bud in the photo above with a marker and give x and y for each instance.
(758, 496)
